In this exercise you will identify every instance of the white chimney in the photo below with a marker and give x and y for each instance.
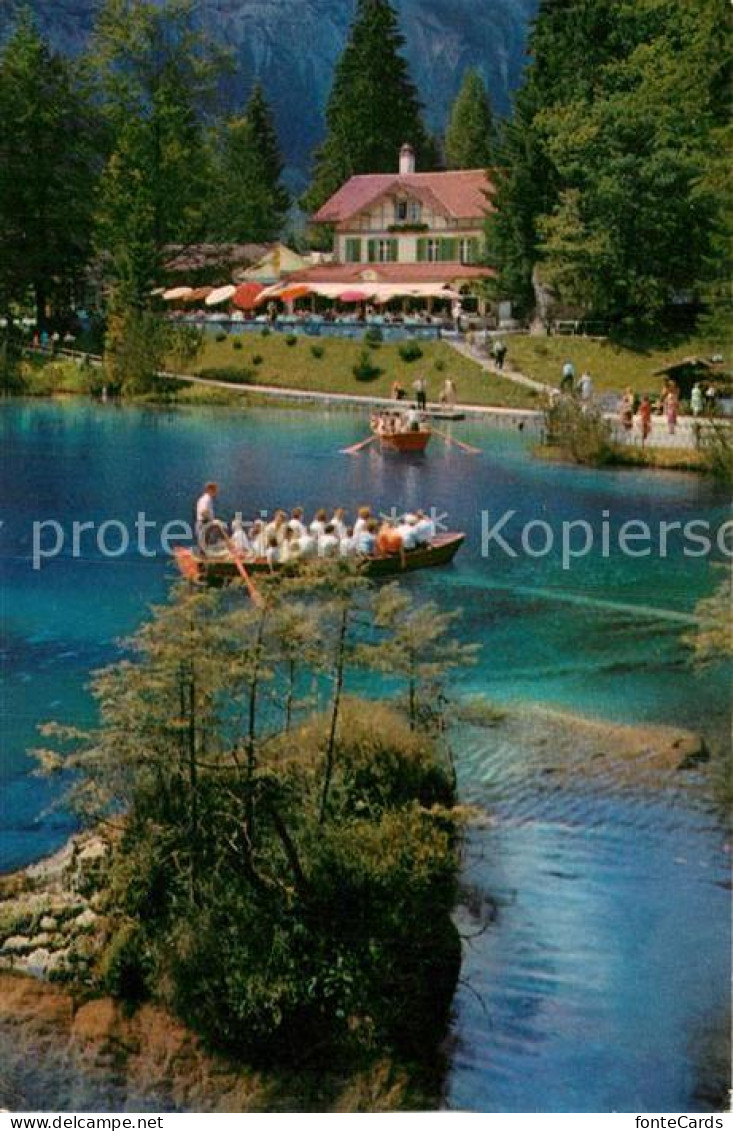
(407, 160)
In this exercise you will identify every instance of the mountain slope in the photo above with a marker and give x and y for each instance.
(292, 45)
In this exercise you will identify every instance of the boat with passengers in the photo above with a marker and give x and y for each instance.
(217, 569)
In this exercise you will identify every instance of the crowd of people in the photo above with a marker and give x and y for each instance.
(289, 537)
(388, 423)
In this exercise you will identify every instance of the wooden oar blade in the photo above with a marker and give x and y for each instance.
(357, 447)
(458, 443)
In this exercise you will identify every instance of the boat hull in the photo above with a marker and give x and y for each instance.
(194, 566)
(405, 441)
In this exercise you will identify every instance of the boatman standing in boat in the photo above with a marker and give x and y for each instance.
(205, 511)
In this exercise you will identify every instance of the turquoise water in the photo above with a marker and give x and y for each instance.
(593, 989)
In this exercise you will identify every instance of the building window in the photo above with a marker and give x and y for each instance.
(432, 251)
(353, 251)
(407, 211)
(383, 251)
(468, 250)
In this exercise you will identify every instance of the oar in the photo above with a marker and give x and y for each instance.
(253, 591)
(458, 443)
(357, 447)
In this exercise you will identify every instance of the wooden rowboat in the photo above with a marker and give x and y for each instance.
(197, 567)
(405, 441)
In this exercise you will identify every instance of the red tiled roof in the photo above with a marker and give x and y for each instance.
(390, 273)
(460, 194)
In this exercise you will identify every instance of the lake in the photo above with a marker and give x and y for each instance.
(607, 969)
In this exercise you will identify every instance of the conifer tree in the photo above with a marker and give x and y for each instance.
(469, 138)
(252, 203)
(373, 108)
(606, 187)
(49, 163)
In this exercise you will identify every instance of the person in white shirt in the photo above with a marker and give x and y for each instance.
(338, 522)
(364, 517)
(239, 539)
(347, 544)
(205, 509)
(276, 528)
(424, 529)
(274, 553)
(328, 543)
(407, 531)
(366, 540)
(258, 539)
(318, 526)
(290, 547)
(296, 523)
(585, 387)
(308, 546)
(412, 420)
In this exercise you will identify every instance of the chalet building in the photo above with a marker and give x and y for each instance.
(407, 233)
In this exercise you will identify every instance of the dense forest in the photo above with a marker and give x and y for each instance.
(610, 185)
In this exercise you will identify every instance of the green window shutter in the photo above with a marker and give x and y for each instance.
(394, 251)
(472, 250)
(353, 251)
(372, 250)
(422, 250)
(447, 250)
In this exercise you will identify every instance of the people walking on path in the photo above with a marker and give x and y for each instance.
(697, 401)
(645, 419)
(499, 352)
(421, 395)
(585, 387)
(568, 377)
(671, 409)
(627, 409)
(448, 394)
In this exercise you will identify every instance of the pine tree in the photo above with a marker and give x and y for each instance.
(49, 163)
(469, 138)
(157, 74)
(373, 108)
(251, 203)
(605, 188)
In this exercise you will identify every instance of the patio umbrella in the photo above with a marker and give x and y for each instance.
(221, 294)
(353, 296)
(177, 293)
(198, 294)
(246, 294)
(289, 294)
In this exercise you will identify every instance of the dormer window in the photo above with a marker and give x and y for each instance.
(407, 211)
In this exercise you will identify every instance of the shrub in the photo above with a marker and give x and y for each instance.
(716, 442)
(374, 337)
(365, 369)
(410, 351)
(318, 351)
(583, 433)
(220, 337)
(265, 332)
(439, 364)
(237, 344)
(291, 339)
(257, 359)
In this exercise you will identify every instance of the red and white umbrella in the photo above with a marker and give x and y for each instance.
(353, 296)
(220, 295)
(246, 295)
(177, 293)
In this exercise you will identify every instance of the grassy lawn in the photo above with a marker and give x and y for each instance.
(297, 367)
(611, 366)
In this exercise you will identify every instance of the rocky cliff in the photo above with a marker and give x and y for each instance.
(292, 45)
